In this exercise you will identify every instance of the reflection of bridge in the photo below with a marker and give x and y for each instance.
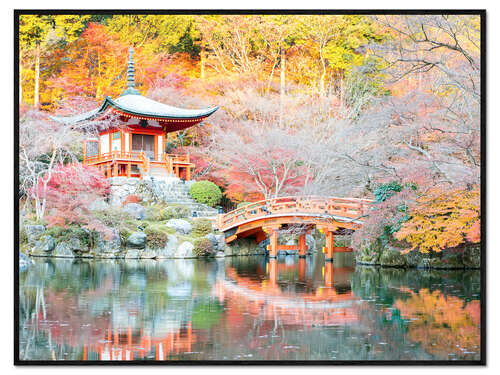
(272, 215)
(264, 298)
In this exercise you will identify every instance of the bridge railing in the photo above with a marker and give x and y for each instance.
(349, 208)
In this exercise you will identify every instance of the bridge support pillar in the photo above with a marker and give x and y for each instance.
(329, 246)
(273, 241)
(302, 246)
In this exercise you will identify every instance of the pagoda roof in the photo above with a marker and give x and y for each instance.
(132, 104)
(136, 105)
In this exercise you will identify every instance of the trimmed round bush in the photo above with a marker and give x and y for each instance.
(202, 227)
(206, 192)
(156, 239)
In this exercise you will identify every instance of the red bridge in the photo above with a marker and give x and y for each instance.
(269, 217)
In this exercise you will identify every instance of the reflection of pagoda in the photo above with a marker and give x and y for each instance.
(134, 146)
(104, 336)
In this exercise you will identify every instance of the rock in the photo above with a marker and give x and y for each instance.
(213, 240)
(246, 246)
(44, 246)
(392, 258)
(112, 245)
(149, 253)
(137, 240)
(221, 241)
(63, 250)
(369, 254)
(132, 254)
(445, 260)
(99, 205)
(33, 232)
(220, 254)
(472, 256)
(180, 225)
(185, 250)
(135, 210)
(169, 250)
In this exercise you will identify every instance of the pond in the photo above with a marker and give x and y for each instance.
(245, 308)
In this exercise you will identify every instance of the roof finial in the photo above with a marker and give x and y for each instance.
(131, 74)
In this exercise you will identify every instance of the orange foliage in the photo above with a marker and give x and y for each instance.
(442, 220)
(132, 198)
(442, 324)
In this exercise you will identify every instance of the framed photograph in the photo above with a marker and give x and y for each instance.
(250, 187)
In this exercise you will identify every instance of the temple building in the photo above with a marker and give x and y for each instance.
(135, 146)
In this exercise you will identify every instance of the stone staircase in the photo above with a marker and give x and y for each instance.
(173, 191)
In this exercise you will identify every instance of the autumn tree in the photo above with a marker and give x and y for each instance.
(69, 193)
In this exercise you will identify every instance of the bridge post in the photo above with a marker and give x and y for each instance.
(302, 246)
(329, 246)
(273, 241)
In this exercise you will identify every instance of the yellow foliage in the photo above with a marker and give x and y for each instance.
(442, 220)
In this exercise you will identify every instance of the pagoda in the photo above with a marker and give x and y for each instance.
(135, 145)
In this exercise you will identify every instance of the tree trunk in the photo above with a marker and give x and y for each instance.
(36, 98)
(282, 84)
(203, 58)
(20, 76)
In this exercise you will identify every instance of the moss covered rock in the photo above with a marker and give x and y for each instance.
(392, 258)
(472, 256)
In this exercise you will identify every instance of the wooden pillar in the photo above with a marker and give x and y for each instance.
(328, 274)
(108, 171)
(329, 246)
(273, 241)
(85, 352)
(302, 269)
(176, 171)
(84, 152)
(155, 147)
(115, 169)
(302, 246)
(129, 169)
(188, 173)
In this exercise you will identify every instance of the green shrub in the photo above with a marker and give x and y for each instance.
(87, 238)
(23, 236)
(202, 227)
(206, 192)
(203, 247)
(156, 239)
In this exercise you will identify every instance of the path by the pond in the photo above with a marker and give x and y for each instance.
(241, 308)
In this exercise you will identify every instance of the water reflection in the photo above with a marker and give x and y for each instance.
(245, 308)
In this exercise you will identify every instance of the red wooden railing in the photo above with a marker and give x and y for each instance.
(350, 208)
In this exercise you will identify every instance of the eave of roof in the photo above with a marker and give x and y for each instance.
(139, 106)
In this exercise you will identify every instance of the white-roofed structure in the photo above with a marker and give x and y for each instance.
(136, 145)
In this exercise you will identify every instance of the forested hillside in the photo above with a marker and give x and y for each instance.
(383, 107)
